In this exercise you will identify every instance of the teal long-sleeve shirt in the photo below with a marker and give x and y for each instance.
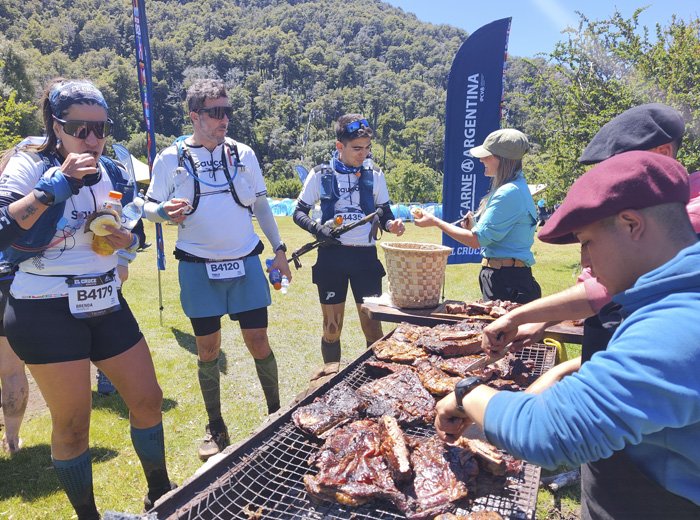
(506, 228)
(642, 394)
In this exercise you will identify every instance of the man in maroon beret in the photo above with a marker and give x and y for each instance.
(635, 407)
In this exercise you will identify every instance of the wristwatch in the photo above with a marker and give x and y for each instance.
(45, 198)
(465, 386)
(282, 247)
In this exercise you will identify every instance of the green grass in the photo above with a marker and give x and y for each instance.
(28, 486)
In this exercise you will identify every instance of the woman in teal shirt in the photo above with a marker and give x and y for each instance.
(504, 225)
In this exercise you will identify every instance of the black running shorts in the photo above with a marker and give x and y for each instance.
(339, 265)
(253, 319)
(44, 331)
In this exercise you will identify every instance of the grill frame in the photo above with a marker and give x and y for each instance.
(267, 471)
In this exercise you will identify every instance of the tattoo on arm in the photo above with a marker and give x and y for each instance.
(28, 212)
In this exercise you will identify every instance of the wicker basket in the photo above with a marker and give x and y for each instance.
(416, 272)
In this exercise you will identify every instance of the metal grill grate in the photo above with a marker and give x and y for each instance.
(263, 478)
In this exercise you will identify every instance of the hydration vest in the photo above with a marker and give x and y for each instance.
(185, 160)
(35, 240)
(330, 193)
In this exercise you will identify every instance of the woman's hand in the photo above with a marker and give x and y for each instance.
(78, 165)
(424, 219)
(119, 238)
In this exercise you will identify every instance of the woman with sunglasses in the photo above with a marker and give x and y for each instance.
(504, 225)
(48, 194)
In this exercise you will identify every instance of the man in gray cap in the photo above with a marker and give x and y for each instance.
(635, 408)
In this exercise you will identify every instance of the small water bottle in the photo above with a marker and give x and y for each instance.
(275, 276)
(132, 213)
(284, 286)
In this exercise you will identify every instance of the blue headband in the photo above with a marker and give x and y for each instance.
(63, 95)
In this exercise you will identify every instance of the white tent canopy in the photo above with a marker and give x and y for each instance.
(141, 171)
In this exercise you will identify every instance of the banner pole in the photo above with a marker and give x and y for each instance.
(143, 68)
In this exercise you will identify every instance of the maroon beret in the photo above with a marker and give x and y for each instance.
(630, 180)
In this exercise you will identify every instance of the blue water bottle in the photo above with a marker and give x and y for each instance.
(275, 275)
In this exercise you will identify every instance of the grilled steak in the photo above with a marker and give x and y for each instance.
(459, 339)
(394, 449)
(408, 333)
(442, 476)
(434, 380)
(352, 468)
(490, 458)
(459, 366)
(400, 395)
(398, 351)
(339, 405)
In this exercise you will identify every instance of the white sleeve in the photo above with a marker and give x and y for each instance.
(22, 173)
(161, 180)
(311, 192)
(381, 192)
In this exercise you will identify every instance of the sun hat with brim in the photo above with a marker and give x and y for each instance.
(630, 180)
(507, 142)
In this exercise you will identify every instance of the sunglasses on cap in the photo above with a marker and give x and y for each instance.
(353, 127)
(217, 112)
(81, 129)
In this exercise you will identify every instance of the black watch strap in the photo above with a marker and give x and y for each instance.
(282, 247)
(47, 199)
(465, 386)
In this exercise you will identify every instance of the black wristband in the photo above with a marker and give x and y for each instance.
(43, 197)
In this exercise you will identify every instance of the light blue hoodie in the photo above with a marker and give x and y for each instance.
(642, 394)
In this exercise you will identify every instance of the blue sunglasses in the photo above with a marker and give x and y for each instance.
(353, 127)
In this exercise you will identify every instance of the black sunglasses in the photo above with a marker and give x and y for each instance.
(81, 129)
(217, 112)
(353, 127)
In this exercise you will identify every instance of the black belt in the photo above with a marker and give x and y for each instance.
(184, 256)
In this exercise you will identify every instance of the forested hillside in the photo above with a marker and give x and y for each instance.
(292, 67)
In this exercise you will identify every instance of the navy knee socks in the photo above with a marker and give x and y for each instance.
(150, 448)
(75, 476)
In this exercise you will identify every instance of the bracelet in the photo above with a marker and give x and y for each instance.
(161, 212)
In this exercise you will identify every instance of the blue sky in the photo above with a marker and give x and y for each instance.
(537, 24)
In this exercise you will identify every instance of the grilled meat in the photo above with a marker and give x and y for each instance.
(476, 515)
(338, 406)
(491, 459)
(442, 476)
(408, 333)
(391, 349)
(494, 308)
(400, 395)
(434, 380)
(352, 468)
(383, 368)
(459, 366)
(459, 339)
(394, 449)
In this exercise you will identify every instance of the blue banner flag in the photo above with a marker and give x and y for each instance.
(473, 111)
(143, 67)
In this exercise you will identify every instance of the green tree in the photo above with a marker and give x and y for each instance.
(409, 181)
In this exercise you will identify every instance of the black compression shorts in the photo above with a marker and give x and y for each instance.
(339, 265)
(44, 331)
(253, 319)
